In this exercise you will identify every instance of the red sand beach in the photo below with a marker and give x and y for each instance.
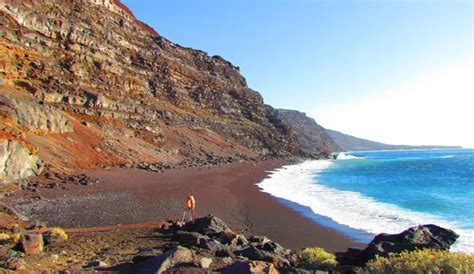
(135, 196)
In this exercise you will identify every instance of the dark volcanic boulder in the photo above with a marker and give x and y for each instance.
(209, 225)
(231, 238)
(257, 254)
(419, 237)
(220, 250)
(190, 239)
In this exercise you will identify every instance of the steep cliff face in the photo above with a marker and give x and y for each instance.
(312, 138)
(84, 79)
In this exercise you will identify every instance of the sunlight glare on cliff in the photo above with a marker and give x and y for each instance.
(435, 109)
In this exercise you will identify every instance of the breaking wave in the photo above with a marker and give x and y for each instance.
(344, 156)
(298, 183)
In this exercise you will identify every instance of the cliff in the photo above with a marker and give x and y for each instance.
(86, 85)
(312, 138)
(347, 142)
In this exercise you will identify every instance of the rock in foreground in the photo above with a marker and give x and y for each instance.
(419, 237)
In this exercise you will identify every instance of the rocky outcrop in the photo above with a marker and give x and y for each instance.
(312, 138)
(17, 162)
(211, 233)
(209, 225)
(420, 237)
(34, 117)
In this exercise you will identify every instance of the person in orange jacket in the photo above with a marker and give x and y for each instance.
(190, 206)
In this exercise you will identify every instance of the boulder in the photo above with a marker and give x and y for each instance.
(166, 261)
(209, 225)
(250, 267)
(419, 237)
(254, 253)
(32, 243)
(259, 239)
(231, 238)
(190, 239)
(217, 248)
(205, 262)
(9, 259)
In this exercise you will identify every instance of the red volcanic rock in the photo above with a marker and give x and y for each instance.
(127, 94)
(32, 244)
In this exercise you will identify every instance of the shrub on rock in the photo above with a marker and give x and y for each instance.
(422, 261)
(55, 235)
(59, 233)
(316, 258)
(9, 240)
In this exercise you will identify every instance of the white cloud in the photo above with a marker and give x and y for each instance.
(435, 109)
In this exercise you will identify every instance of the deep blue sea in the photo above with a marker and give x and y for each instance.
(365, 193)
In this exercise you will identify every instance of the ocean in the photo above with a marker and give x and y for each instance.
(362, 194)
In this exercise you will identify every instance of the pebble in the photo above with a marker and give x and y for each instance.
(205, 262)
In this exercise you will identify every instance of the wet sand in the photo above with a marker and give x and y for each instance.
(229, 192)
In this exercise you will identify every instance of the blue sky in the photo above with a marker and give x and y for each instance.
(316, 56)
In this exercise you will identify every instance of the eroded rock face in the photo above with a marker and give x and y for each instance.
(93, 58)
(33, 116)
(312, 138)
(17, 162)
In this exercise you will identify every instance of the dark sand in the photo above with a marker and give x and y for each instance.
(229, 192)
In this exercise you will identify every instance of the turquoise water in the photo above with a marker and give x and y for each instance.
(365, 193)
(436, 182)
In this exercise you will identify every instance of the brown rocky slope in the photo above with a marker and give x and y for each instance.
(84, 85)
(312, 138)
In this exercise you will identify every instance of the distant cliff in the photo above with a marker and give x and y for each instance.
(350, 143)
(312, 138)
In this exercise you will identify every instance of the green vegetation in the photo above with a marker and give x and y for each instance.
(9, 239)
(316, 258)
(59, 233)
(422, 261)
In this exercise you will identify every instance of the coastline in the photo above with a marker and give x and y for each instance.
(127, 196)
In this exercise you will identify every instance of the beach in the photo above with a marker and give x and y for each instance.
(131, 196)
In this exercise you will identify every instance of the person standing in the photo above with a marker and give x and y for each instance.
(190, 206)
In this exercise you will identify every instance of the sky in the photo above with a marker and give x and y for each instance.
(396, 71)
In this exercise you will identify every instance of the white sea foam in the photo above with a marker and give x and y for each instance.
(343, 156)
(297, 183)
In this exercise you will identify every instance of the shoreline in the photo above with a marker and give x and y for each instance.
(130, 196)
